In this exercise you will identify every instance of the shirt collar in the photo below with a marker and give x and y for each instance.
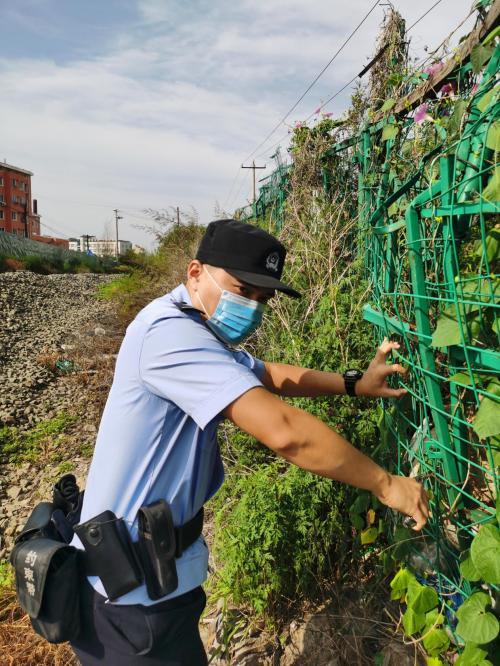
(181, 295)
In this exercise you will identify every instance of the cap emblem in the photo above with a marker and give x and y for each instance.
(272, 262)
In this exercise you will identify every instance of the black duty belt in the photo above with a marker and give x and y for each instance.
(123, 564)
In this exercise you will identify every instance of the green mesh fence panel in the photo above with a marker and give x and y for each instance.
(427, 202)
(270, 203)
(19, 247)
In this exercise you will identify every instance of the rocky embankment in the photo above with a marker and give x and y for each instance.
(48, 321)
(42, 316)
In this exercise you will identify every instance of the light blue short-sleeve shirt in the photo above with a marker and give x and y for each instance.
(158, 433)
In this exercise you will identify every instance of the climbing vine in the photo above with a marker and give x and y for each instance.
(413, 166)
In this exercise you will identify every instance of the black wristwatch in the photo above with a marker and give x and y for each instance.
(351, 376)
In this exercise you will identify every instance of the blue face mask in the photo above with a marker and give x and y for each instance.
(235, 317)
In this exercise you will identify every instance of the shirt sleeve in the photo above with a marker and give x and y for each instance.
(182, 361)
(254, 364)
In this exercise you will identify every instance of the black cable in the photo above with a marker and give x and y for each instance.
(423, 16)
(314, 81)
(54, 230)
(336, 94)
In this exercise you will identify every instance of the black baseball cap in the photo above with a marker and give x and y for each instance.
(247, 252)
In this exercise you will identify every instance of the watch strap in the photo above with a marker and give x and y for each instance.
(351, 377)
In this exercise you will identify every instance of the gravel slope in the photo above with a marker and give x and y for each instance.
(45, 318)
(40, 316)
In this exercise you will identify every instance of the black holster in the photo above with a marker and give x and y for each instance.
(110, 554)
(157, 545)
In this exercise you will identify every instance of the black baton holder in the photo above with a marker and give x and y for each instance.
(158, 548)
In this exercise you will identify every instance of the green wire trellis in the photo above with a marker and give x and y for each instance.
(431, 254)
(430, 237)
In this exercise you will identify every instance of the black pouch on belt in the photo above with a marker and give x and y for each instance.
(47, 577)
(109, 554)
(157, 545)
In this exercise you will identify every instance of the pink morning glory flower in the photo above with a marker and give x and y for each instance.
(434, 69)
(421, 114)
(299, 124)
(317, 111)
(447, 89)
(327, 115)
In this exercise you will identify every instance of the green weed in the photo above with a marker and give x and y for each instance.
(26, 446)
(6, 575)
(279, 531)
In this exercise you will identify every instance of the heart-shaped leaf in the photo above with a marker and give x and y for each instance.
(487, 419)
(422, 599)
(485, 553)
(475, 624)
(356, 520)
(493, 136)
(492, 191)
(433, 619)
(487, 98)
(479, 55)
(471, 656)
(369, 535)
(388, 104)
(467, 568)
(400, 582)
(390, 131)
(436, 642)
(413, 622)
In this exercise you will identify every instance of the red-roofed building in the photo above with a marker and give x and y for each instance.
(17, 214)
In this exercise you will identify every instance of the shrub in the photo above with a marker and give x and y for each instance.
(11, 264)
(279, 531)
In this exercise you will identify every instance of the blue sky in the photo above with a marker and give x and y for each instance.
(133, 104)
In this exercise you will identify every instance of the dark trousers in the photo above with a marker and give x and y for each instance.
(164, 634)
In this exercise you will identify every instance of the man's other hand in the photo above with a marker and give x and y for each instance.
(374, 382)
(407, 496)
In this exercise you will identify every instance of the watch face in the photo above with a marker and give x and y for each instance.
(353, 374)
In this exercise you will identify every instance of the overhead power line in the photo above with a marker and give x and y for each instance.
(53, 229)
(423, 16)
(314, 81)
(346, 85)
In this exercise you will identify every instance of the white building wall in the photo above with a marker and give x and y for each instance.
(101, 248)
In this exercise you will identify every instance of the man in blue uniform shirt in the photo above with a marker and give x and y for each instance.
(180, 372)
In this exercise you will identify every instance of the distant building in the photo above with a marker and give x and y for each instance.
(101, 248)
(81, 244)
(138, 249)
(17, 213)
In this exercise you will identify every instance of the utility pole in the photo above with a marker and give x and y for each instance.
(253, 167)
(86, 238)
(178, 217)
(25, 220)
(117, 217)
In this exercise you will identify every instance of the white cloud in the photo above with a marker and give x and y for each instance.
(154, 11)
(164, 110)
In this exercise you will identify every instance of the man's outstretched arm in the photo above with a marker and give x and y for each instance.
(294, 382)
(307, 442)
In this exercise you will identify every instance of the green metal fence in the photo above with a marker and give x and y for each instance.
(427, 205)
(431, 250)
(18, 246)
(270, 203)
